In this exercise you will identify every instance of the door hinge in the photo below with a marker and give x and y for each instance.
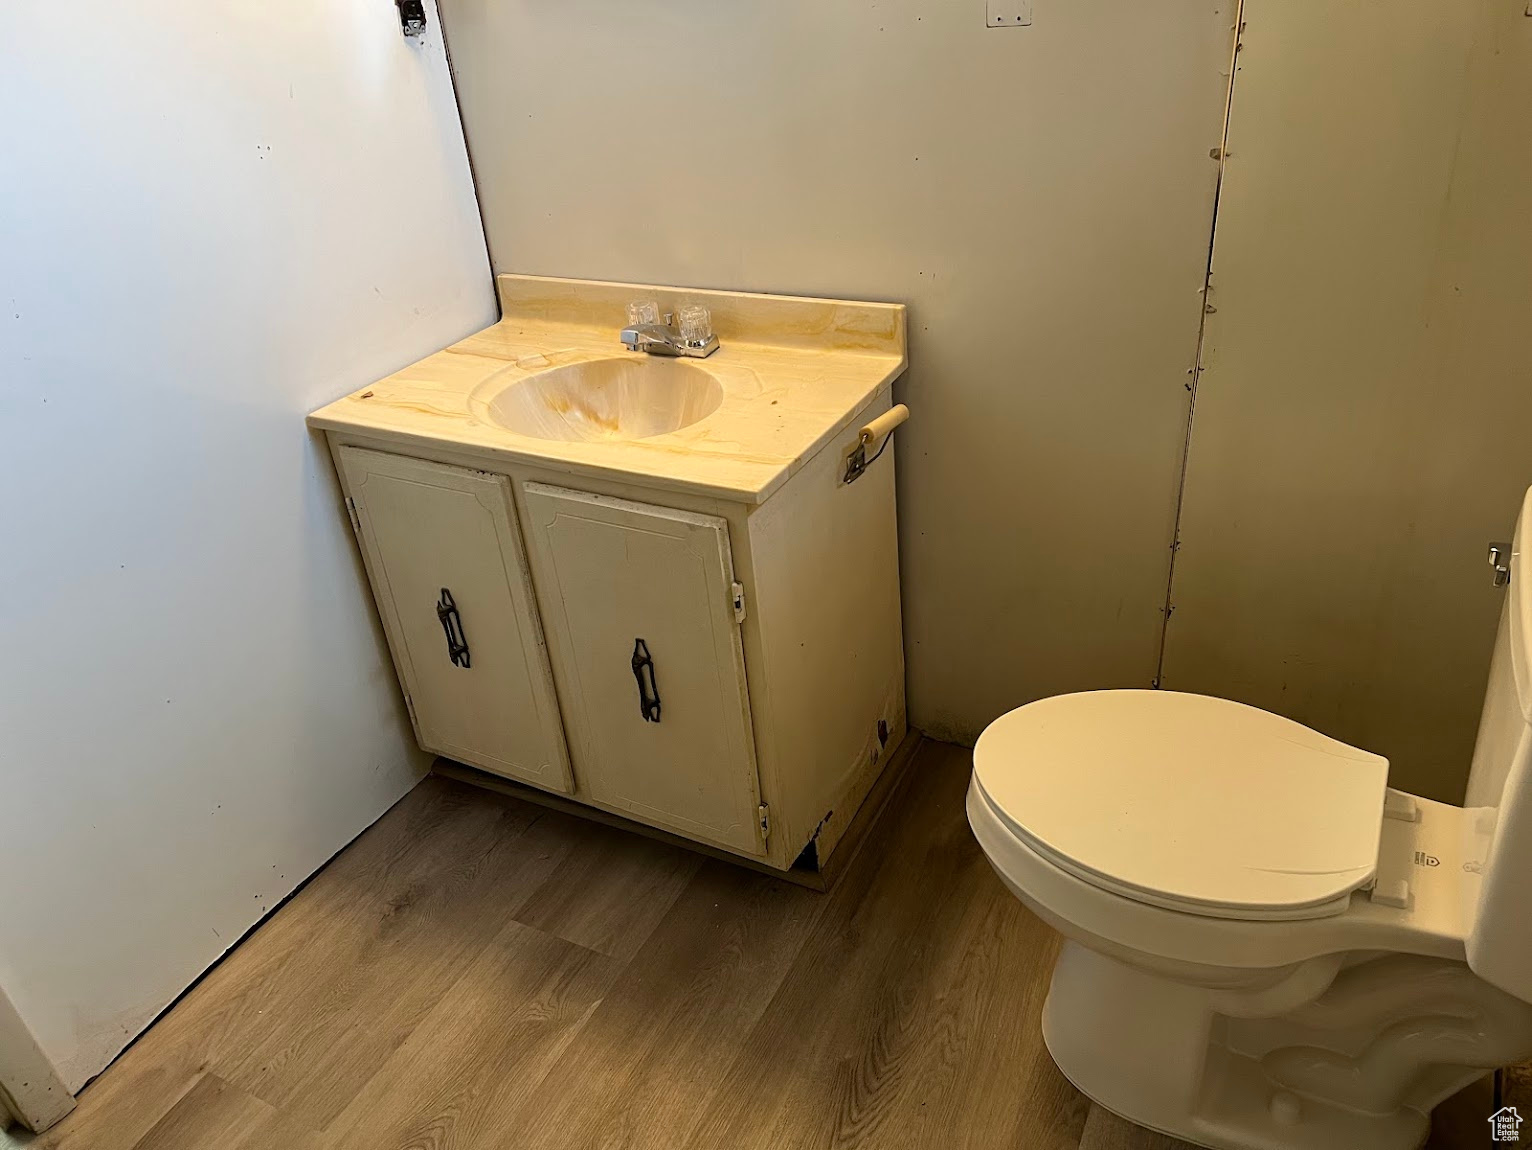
(409, 705)
(737, 591)
(1500, 563)
(765, 812)
(356, 521)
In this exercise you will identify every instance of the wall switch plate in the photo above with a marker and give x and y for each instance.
(1008, 13)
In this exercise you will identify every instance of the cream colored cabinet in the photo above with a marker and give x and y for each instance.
(725, 671)
(688, 570)
(448, 573)
(643, 613)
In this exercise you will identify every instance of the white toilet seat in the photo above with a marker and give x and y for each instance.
(1186, 802)
(1434, 923)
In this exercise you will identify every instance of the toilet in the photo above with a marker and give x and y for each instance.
(1267, 947)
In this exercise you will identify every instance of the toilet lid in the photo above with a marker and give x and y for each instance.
(1188, 802)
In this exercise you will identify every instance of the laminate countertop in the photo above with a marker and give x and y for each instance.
(795, 373)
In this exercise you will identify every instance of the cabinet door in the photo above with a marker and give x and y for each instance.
(449, 576)
(646, 648)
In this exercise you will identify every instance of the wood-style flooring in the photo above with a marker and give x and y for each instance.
(479, 972)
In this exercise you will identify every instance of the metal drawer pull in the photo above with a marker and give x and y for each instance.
(452, 624)
(648, 693)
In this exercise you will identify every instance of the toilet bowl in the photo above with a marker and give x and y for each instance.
(1267, 948)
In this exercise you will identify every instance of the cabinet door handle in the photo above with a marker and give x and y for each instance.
(648, 693)
(452, 625)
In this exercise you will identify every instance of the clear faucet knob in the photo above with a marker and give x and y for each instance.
(643, 311)
(696, 323)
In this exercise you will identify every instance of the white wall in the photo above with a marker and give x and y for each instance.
(213, 218)
(1364, 426)
(1041, 197)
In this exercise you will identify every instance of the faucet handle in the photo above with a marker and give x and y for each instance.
(643, 311)
(696, 324)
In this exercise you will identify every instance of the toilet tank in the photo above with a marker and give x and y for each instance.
(1500, 943)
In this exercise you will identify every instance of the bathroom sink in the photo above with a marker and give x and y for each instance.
(626, 397)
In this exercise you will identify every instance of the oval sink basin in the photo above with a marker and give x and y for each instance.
(632, 397)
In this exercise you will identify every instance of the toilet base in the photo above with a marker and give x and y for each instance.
(1344, 1069)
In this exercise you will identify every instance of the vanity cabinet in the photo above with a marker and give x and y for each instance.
(730, 673)
(448, 573)
(674, 595)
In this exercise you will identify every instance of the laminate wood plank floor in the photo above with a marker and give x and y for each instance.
(477, 973)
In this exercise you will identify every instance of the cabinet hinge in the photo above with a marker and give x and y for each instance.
(737, 590)
(765, 812)
(409, 705)
(356, 521)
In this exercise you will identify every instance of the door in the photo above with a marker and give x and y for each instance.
(640, 608)
(450, 579)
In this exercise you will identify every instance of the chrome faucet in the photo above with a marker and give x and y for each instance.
(694, 336)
